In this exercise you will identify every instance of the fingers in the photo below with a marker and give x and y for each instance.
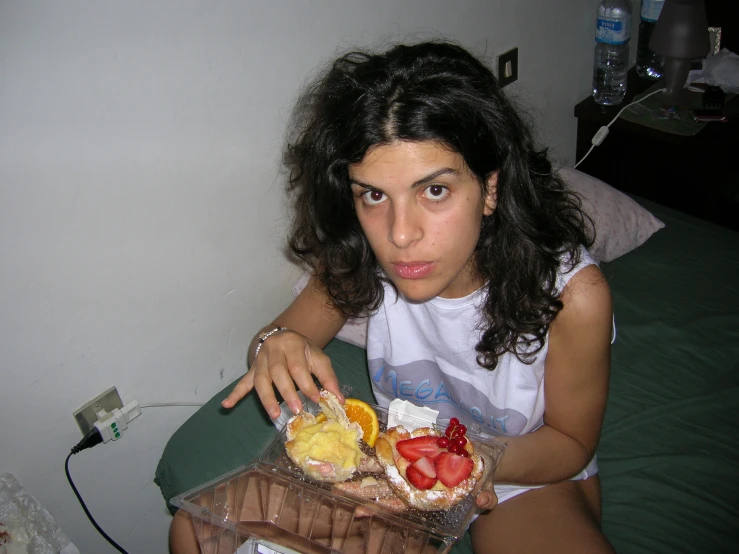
(301, 365)
(241, 389)
(284, 361)
(283, 366)
(303, 378)
(263, 384)
(487, 500)
(320, 366)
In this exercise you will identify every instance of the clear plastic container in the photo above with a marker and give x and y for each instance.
(272, 503)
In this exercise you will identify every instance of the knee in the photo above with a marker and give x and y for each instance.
(182, 539)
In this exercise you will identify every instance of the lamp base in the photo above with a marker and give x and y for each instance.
(676, 100)
(676, 74)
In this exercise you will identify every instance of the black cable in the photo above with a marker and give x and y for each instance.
(90, 439)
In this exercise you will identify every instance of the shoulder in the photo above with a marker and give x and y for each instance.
(570, 264)
(586, 300)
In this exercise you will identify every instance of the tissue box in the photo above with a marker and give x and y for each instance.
(271, 503)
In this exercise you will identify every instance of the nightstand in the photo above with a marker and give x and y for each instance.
(692, 174)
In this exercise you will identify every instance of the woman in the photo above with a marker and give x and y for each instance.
(421, 201)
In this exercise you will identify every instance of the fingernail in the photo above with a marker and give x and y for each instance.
(296, 407)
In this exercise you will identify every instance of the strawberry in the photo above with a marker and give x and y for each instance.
(425, 466)
(452, 469)
(412, 449)
(418, 479)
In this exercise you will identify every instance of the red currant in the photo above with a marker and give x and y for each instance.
(453, 422)
(454, 448)
(448, 432)
(443, 442)
(461, 430)
(464, 453)
(460, 441)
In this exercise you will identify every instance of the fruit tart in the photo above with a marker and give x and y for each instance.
(327, 448)
(428, 469)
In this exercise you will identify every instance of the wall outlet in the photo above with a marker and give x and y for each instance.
(86, 415)
(508, 67)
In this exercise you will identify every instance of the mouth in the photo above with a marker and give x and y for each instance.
(412, 270)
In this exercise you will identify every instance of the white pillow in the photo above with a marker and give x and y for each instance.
(621, 225)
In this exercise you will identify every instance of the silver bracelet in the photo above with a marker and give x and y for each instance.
(263, 336)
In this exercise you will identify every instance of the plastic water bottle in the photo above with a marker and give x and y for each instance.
(648, 64)
(612, 34)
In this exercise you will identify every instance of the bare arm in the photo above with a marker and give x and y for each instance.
(294, 356)
(575, 388)
(311, 314)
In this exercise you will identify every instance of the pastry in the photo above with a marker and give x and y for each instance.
(326, 450)
(427, 475)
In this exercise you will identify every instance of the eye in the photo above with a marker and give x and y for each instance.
(437, 193)
(373, 197)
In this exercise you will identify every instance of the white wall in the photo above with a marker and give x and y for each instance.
(141, 209)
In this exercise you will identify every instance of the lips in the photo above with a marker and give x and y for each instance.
(412, 270)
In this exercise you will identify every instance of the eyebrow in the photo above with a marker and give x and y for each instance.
(419, 183)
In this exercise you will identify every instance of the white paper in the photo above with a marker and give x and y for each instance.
(410, 416)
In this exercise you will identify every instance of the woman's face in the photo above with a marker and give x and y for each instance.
(421, 210)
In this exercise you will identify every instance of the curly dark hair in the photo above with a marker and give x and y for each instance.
(433, 91)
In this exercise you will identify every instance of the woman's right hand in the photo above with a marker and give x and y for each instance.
(285, 359)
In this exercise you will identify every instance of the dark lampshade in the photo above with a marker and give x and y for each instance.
(681, 30)
(680, 35)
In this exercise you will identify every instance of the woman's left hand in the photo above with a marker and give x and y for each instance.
(487, 499)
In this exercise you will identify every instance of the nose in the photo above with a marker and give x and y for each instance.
(405, 226)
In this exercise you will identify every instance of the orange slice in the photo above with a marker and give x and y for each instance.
(362, 413)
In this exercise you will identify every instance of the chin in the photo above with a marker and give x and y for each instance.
(417, 292)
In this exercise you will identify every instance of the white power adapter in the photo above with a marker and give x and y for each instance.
(111, 425)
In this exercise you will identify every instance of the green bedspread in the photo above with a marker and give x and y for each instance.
(669, 452)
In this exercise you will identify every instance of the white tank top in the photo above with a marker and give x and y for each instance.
(425, 353)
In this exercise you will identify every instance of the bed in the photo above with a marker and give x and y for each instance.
(669, 452)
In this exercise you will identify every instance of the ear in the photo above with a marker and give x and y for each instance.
(491, 197)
